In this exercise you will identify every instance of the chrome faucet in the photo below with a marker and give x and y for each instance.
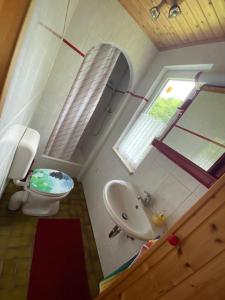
(146, 201)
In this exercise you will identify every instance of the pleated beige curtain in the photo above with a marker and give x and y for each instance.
(82, 100)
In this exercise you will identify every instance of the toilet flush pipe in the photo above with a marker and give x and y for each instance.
(20, 197)
(18, 182)
(17, 199)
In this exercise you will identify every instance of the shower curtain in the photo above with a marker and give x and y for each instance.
(82, 100)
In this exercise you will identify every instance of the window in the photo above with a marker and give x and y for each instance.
(196, 140)
(135, 143)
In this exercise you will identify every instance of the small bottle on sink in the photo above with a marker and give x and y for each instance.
(158, 219)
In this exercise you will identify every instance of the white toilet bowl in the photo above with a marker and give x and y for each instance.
(43, 190)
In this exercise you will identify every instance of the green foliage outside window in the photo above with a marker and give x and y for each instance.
(163, 109)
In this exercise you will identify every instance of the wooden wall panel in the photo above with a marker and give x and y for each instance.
(207, 283)
(201, 21)
(12, 14)
(195, 269)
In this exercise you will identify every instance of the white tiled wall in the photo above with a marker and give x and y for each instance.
(177, 192)
(93, 22)
(31, 73)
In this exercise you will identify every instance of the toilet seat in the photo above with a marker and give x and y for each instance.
(43, 191)
(49, 182)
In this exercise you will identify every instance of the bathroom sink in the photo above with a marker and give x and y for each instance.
(126, 210)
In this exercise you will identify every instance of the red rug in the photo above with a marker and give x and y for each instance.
(58, 265)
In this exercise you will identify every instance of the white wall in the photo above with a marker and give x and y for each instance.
(93, 22)
(31, 72)
(173, 189)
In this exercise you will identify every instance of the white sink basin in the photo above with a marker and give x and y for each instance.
(126, 210)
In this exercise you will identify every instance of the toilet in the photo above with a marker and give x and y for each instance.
(43, 188)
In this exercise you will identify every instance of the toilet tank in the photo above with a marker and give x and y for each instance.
(25, 153)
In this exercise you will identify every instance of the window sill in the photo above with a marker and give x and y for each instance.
(129, 168)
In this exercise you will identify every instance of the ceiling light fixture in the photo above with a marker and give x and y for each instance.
(174, 10)
(155, 11)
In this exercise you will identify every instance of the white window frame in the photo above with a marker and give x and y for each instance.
(168, 73)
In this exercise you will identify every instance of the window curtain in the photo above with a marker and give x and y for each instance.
(136, 143)
(82, 100)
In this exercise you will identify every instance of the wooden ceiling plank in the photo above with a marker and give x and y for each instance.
(208, 11)
(163, 30)
(160, 34)
(153, 30)
(168, 36)
(187, 29)
(172, 23)
(192, 21)
(198, 14)
(155, 26)
(175, 37)
(134, 10)
(215, 40)
(176, 34)
(168, 28)
(219, 7)
(152, 27)
(183, 29)
(201, 21)
(180, 33)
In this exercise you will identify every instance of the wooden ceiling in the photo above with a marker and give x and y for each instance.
(201, 21)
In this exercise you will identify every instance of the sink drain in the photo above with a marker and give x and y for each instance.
(124, 216)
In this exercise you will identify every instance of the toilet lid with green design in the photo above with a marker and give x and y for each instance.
(51, 181)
